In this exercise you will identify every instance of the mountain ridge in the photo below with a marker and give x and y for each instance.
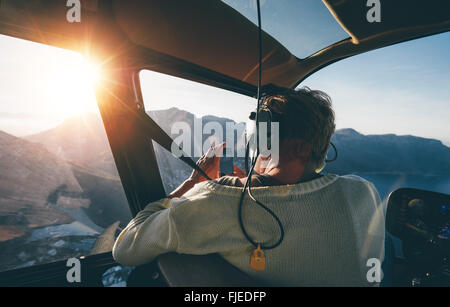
(357, 152)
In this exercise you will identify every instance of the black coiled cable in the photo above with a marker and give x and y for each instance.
(250, 173)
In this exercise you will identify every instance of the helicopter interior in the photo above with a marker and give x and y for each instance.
(217, 45)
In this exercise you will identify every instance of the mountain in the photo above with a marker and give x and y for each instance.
(83, 141)
(29, 174)
(357, 153)
(66, 170)
(388, 153)
(173, 170)
(166, 119)
(50, 207)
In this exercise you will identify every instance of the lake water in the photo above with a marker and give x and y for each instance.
(386, 183)
(73, 229)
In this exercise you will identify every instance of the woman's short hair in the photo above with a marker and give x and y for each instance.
(305, 114)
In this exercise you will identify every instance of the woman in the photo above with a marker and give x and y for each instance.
(330, 225)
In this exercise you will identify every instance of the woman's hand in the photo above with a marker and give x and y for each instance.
(209, 163)
(239, 172)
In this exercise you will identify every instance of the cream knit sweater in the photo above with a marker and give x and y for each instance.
(332, 224)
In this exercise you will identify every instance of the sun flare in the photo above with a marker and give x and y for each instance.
(75, 83)
(91, 72)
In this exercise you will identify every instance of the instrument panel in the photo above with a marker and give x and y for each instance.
(421, 220)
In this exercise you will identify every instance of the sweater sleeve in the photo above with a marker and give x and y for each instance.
(151, 233)
(199, 223)
(368, 220)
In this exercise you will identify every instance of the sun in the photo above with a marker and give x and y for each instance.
(90, 72)
(73, 87)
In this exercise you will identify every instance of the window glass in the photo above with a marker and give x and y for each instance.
(303, 27)
(392, 110)
(178, 103)
(59, 188)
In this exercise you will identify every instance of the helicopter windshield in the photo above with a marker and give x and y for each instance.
(303, 27)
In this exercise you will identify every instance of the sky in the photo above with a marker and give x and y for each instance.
(40, 86)
(401, 89)
(303, 27)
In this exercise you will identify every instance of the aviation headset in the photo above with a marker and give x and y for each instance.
(267, 116)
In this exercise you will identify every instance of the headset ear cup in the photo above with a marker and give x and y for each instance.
(324, 162)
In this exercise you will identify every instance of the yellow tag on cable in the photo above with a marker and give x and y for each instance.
(258, 260)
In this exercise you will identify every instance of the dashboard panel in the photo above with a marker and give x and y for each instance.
(421, 220)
